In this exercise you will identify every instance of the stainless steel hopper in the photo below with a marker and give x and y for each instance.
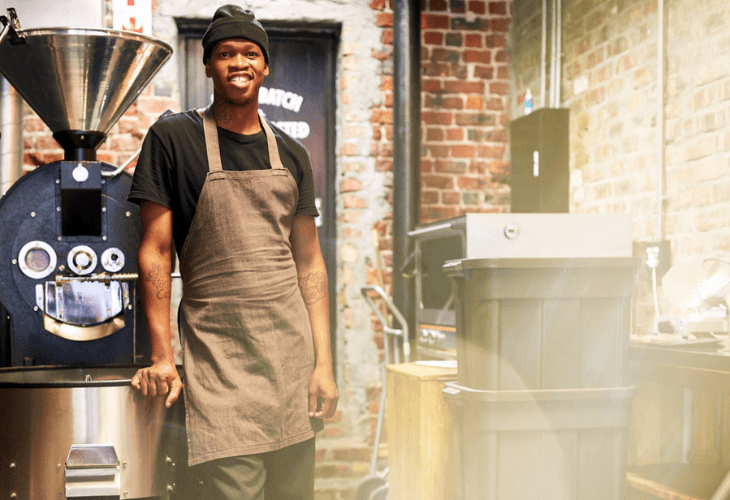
(81, 81)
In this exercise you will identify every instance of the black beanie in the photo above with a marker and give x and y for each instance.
(231, 21)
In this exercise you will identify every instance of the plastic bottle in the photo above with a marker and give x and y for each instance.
(528, 102)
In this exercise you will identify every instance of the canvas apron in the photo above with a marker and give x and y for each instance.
(246, 336)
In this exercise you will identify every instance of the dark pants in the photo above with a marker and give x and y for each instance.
(286, 474)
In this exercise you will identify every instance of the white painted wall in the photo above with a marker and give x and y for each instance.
(58, 13)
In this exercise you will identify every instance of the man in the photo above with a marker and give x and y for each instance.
(234, 195)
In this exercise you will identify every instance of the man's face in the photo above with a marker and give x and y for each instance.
(237, 67)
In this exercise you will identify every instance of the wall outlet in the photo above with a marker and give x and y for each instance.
(663, 251)
(663, 256)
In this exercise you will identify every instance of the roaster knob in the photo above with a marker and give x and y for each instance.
(112, 260)
(82, 260)
(80, 173)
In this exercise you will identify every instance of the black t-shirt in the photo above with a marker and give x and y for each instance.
(173, 164)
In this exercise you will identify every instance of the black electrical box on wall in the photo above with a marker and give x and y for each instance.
(540, 174)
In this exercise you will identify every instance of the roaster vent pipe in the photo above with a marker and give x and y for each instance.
(406, 145)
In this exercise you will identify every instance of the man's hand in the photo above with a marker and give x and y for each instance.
(157, 380)
(322, 389)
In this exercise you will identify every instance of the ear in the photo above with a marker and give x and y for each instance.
(266, 70)
(208, 72)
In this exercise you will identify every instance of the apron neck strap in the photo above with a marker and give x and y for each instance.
(213, 148)
(274, 158)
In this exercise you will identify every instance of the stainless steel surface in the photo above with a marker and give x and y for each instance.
(81, 79)
(11, 27)
(105, 278)
(85, 302)
(92, 470)
(47, 412)
(549, 236)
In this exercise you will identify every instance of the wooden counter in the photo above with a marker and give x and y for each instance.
(680, 420)
(421, 457)
(703, 368)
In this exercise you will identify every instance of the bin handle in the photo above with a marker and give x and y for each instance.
(454, 268)
(430, 229)
(394, 333)
(452, 394)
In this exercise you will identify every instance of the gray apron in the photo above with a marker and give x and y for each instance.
(246, 336)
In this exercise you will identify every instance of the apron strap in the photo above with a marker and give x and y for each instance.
(274, 158)
(211, 140)
(213, 148)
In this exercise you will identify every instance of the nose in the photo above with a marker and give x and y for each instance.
(238, 60)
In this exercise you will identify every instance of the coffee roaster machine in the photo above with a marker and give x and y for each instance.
(72, 332)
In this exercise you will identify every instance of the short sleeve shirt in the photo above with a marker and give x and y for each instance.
(173, 165)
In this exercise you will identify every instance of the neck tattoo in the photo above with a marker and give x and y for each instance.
(222, 114)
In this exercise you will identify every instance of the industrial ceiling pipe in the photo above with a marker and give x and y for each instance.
(406, 147)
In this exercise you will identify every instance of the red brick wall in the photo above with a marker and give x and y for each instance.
(465, 87)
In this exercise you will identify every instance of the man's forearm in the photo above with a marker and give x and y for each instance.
(313, 285)
(155, 286)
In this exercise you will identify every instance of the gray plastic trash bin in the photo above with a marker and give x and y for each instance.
(541, 406)
(526, 324)
(567, 444)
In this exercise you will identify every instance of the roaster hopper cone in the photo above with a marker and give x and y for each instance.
(81, 81)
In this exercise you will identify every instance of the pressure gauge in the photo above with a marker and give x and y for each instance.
(37, 259)
(112, 260)
(82, 260)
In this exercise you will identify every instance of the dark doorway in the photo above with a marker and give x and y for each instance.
(299, 96)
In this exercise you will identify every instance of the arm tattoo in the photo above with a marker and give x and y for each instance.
(313, 287)
(160, 281)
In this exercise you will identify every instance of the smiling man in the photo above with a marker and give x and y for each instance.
(235, 196)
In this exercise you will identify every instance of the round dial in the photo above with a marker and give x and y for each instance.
(82, 260)
(112, 260)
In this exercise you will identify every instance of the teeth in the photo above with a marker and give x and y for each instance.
(240, 79)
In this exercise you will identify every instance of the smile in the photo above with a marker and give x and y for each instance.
(239, 79)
